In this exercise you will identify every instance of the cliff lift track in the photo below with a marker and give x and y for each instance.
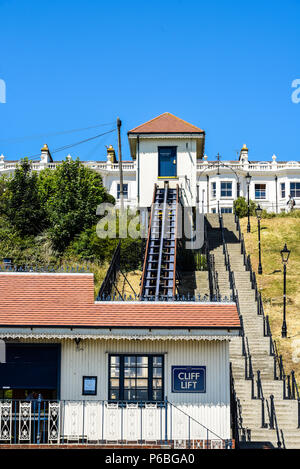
(159, 270)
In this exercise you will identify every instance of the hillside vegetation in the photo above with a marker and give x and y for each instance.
(275, 232)
(48, 219)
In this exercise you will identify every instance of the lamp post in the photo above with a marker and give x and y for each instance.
(258, 212)
(248, 180)
(285, 253)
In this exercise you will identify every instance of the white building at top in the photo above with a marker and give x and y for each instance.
(168, 148)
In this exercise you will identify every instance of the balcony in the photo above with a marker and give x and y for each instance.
(97, 166)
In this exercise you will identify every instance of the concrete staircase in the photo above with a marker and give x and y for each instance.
(259, 348)
(194, 283)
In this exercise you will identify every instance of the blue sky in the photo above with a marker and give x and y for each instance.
(226, 66)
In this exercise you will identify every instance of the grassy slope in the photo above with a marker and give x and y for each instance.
(274, 233)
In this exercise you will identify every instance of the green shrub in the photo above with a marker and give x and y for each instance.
(240, 207)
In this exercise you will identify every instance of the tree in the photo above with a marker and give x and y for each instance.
(21, 202)
(71, 201)
(240, 206)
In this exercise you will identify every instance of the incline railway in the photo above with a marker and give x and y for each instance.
(159, 269)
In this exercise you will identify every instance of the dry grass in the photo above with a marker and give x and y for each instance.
(99, 270)
(127, 286)
(274, 233)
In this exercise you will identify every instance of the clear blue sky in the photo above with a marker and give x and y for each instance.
(226, 66)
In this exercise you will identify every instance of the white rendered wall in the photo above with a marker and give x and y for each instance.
(186, 168)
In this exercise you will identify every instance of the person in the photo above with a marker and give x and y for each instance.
(291, 202)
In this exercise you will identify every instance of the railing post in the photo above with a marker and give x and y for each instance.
(141, 440)
(293, 384)
(284, 386)
(272, 412)
(289, 387)
(15, 423)
(39, 419)
(280, 368)
(258, 385)
(275, 368)
(83, 412)
(103, 421)
(263, 421)
(166, 420)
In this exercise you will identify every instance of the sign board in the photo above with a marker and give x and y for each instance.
(188, 378)
(89, 385)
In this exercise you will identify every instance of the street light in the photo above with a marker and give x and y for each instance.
(258, 212)
(248, 180)
(285, 254)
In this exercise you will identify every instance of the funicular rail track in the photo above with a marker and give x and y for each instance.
(159, 270)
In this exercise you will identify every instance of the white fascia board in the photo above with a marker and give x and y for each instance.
(117, 334)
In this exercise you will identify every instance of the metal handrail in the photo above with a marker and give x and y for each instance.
(239, 431)
(190, 418)
(289, 383)
(260, 395)
(245, 346)
(212, 274)
(273, 421)
(111, 274)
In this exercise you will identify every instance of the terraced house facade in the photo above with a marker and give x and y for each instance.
(168, 147)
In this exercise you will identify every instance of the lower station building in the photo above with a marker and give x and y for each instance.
(135, 372)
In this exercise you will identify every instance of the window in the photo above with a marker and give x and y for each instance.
(295, 189)
(213, 190)
(125, 191)
(213, 210)
(260, 191)
(282, 190)
(226, 209)
(167, 161)
(226, 189)
(135, 378)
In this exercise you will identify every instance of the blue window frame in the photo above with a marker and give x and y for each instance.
(125, 191)
(167, 161)
(260, 191)
(295, 189)
(136, 378)
(226, 209)
(226, 189)
(282, 190)
(213, 190)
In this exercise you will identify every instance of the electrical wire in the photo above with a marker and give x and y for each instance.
(32, 137)
(65, 147)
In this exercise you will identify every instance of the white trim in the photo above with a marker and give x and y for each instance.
(118, 334)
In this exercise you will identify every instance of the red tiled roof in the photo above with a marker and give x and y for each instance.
(68, 300)
(166, 123)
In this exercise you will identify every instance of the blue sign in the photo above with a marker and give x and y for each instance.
(188, 378)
